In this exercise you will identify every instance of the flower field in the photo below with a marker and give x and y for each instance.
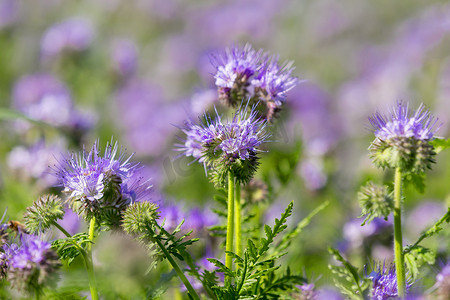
(225, 150)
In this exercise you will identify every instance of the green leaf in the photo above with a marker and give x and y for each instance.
(440, 144)
(416, 257)
(10, 114)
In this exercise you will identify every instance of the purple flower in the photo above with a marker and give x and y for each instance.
(9, 12)
(32, 264)
(385, 283)
(172, 216)
(274, 81)
(420, 126)
(443, 283)
(313, 174)
(145, 117)
(33, 162)
(307, 292)
(236, 65)
(244, 73)
(43, 97)
(219, 142)
(124, 57)
(70, 35)
(95, 182)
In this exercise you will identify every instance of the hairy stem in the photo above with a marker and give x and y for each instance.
(398, 240)
(237, 220)
(89, 264)
(177, 269)
(230, 222)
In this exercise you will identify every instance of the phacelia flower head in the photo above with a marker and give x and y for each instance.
(243, 73)
(227, 145)
(32, 265)
(385, 283)
(403, 139)
(102, 186)
(235, 67)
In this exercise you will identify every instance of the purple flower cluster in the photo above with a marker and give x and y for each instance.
(96, 183)
(196, 219)
(70, 35)
(247, 73)
(29, 265)
(33, 162)
(238, 139)
(420, 126)
(43, 97)
(385, 283)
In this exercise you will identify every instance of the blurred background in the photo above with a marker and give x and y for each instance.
(135, 70)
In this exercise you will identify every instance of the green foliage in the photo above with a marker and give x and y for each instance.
(416, 257)
(161, 286)
(140, 219)
(287, 238)
(348, 279)
(71, 247)
(256, 275)
(375, 201)
(440, 144)
(43, 213)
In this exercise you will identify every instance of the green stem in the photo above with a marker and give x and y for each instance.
(237, 220)
(177, 269)
(88, 261)
(61, 229)
(398, 240)
(230, 222)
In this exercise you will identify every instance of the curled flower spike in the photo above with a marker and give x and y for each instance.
(249, 74)
(44, 211)
(403, 140)
(102, 186)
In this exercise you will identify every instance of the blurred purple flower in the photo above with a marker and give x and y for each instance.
(312, 172)
(43, 97)
(202, 101)
(172, 215)
(70, 222)
(146, 119)
(124, 56)
(198, 219)
(355, 234)
(320, 127)
(443, 282)
(307, 292)
(74, 34)
(250, 18)
(9, 12)
(424, 215)
(33, 162)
